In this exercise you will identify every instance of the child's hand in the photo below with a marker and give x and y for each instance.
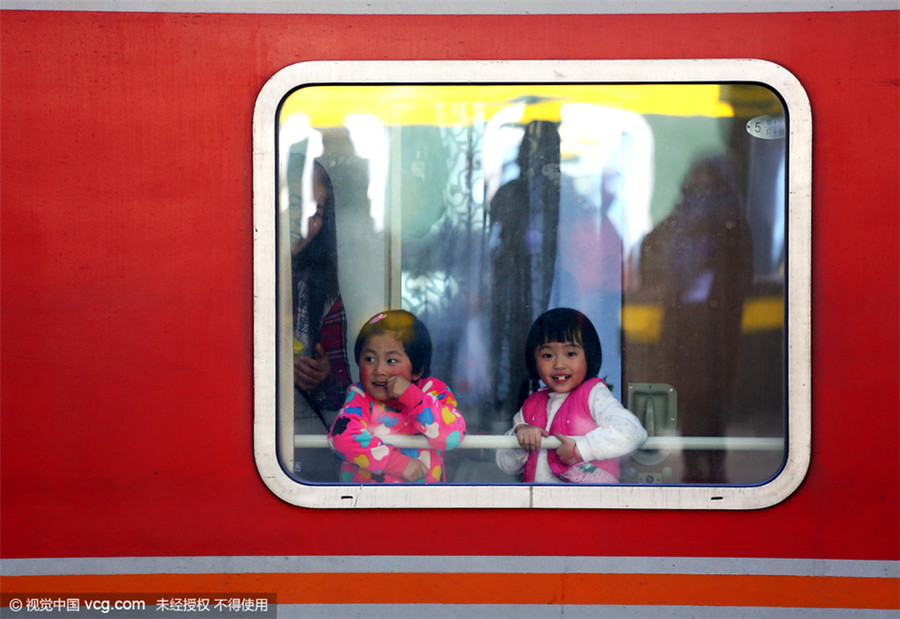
(395, 386)
(415, 470)
(530, 437)
(568, 451)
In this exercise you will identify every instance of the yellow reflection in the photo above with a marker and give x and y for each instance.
(460, 105)
(642, 323)
(763, 314)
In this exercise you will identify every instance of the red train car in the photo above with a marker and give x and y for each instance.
(148, 464)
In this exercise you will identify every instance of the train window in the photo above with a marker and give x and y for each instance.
(668, 201)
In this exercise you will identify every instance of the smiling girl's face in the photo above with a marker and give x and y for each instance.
(562, 366)
(383, 356)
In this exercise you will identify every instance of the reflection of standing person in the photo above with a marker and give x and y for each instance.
(699, 263)
(563, 351)
(589, 266)
(524, 216)
(321, 376)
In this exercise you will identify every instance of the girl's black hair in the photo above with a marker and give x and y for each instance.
(411, 332)
(564, 325)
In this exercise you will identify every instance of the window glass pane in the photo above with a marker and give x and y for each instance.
(657, 210)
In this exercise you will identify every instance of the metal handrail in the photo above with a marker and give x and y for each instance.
(481, 441)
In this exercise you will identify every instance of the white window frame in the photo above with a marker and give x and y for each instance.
(265, 280)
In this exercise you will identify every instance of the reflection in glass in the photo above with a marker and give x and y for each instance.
(653, 209)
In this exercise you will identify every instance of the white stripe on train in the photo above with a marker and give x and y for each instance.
(450, 564)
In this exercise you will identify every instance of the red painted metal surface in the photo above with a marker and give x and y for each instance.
(127, 306)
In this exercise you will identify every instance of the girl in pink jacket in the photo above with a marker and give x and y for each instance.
(563, 351)
(395, 396)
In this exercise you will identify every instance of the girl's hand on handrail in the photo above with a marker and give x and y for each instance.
(530, 436)
(568, 451)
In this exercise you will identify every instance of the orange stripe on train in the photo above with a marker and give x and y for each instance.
(491, 588)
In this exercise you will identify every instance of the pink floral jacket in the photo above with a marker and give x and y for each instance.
(427, 407)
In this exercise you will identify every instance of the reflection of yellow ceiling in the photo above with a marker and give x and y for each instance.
(460, 105)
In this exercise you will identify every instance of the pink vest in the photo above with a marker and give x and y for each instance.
(572, 419)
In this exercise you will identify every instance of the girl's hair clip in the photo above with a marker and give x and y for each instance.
(377, 318)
